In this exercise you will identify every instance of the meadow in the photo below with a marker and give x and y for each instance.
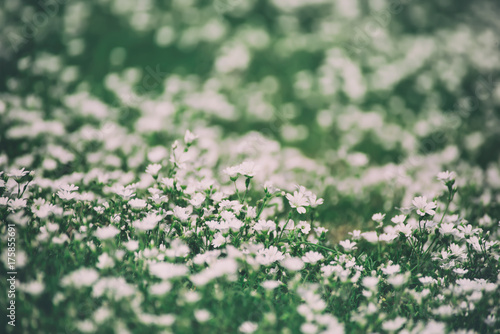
(230, 166)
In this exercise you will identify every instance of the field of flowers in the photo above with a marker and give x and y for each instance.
(250, 166)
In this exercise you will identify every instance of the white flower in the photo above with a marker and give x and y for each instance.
(132, 245)
(446, 176)
(265, 225)
(153, 169)
(247, 169)
(312, 257)
(16, 204)
(427, 280)
(182, 213)
(396, 280)
(399, 219)
(167, 182)
(68, 187)
(370, 282)
(33, 288)
(125, 192)
(348, 245)
(292, 263)
(219, 240)
(147, 223)
(447, 228)
(314, 201)
(66, 195)
(370, 236)
(298, 200)
(387, 237)
(391, 269)
(248, 327)
(4, 201)
(231, 171)
(308, 328)
(423, 207)
(303, 227)
(197, 200)
(267, 256)
(105, 261)
(356, 234)
(189, 137)
(320, 230)
(165, 270)
(202, 315)
(81, 277)
(270, 284)
(378, 217)
(270, 188)
(160, 289)
(17, 173)
(137, 203)
(460, 271)
(106, 232)
(393, 325)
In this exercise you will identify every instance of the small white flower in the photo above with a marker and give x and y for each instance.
(356, 234)
(446, 176)
(393, 325)
(303, 227)
(427, 280)
(308, 328)
(265, 225)
(267, 256)
(197, 200)
(137, 203)
(348, 245)
(378, 217)
(423, 207)
(34, 288)
(292, 263)
(17, 173)
(312, 257)
(16, 204)
(132, 245)
(202, 315)
(167, 182)
(314, 201)
(105, 261)
(460, 271)
(371, 236)
(106, 232)
(232, 172)
(68, 187)
(66, 195)
(447, 229)
(270, 285)
(165, 270)
(391, 269)
(247, 169)
(153, 169)
(370, 282)
(399, 219)
(81, 277)
(298, 200)
(320, 230)
(248, 327)
(189, 137)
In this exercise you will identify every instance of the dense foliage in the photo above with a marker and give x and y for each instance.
(267, 166)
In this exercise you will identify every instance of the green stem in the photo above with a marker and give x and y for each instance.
(316, 245)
